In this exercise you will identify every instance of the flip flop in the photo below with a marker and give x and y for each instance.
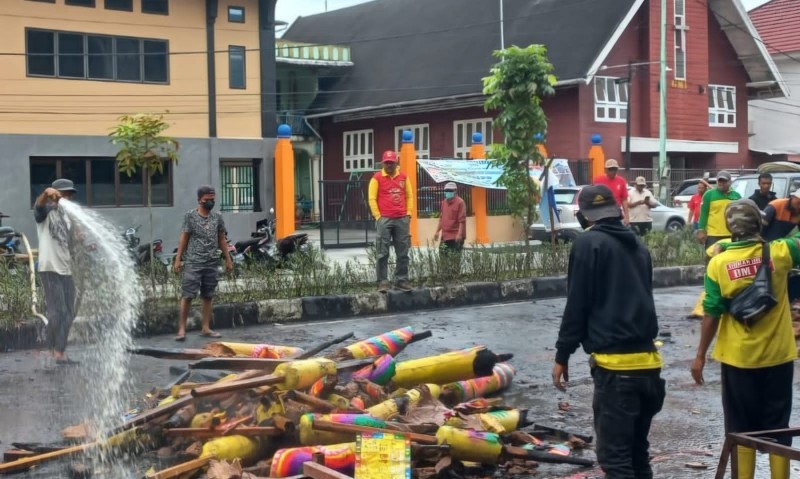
(180, 338)
(211, 334)
(67, 362)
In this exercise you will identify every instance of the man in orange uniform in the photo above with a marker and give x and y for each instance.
(618, 186)
(391, 202)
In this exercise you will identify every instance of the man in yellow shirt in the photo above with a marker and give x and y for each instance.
(391, 202)
(756, 362)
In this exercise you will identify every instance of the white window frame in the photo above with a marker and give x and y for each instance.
(722, 110)
(462, 134)
(358, 148)
(422, 139)
(680, 40)
(606, 108)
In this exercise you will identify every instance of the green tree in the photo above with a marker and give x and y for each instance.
(514, 90)
(144, 147)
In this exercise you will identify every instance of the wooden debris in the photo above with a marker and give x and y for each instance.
(180, 469)
(318, 471)
(207, 433)
(28, 462)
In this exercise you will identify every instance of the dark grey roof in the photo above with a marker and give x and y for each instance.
(407, 50)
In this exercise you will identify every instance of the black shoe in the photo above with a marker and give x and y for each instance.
(404, 286)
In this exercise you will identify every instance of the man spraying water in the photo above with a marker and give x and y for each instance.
(55, 234)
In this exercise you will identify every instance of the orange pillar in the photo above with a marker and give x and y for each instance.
(408, 165)
(597, 158)
(478, 152)
(284, 183)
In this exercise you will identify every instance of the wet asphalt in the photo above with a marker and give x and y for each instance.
(38, 400)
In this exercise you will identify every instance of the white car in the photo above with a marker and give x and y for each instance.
(664, 218)
(685, 191)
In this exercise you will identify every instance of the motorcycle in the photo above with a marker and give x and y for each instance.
(263, 245)
(141, 252)
(9, 244)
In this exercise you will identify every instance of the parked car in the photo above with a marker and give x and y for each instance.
(685, 191)
(664, 217)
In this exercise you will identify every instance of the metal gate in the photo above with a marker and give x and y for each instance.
(345, 219)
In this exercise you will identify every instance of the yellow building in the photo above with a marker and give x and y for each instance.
(72, 67)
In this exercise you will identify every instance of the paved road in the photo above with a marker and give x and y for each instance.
(37, 403)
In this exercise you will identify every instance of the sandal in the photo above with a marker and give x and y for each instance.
(211, 334)
(180, 338)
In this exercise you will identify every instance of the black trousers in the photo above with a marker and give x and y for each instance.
(757, 399)
(641, 228)
(450, 256)
(59, 298)
(624, 406)
(710, 241)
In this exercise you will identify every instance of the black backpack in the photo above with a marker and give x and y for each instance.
(757, 299)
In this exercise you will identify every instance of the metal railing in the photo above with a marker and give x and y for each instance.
(237, 187)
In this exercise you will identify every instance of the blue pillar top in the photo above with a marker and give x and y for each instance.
(539, 137)
(284, 131)
(597, 139)
(408, 136)
(477, 138)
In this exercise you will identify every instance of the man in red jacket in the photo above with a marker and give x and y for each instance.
(452, 228)
(391, 203)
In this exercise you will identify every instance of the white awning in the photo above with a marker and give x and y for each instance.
(650, 145)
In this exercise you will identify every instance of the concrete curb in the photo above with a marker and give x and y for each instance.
(164, 321)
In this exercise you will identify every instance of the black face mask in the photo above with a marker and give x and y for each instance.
(209, 205)
(582, 220)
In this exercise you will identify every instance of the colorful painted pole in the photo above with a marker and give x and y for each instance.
(284, 183)
(391, 342)
(310, 436)
(478, 152)
(289, 462)
(457, 392)
(597, 157)
(408, 165)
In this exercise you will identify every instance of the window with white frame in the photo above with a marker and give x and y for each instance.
(462, 135)
(721, 105)
(610, 99)
(359, 153)
(680, 39)
(422, 143)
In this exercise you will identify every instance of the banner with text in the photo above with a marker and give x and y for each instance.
(481, 173)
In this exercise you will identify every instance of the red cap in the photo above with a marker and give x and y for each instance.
(389, 156)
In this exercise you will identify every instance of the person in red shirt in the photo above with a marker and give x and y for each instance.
(695, 202)
(617, 185)
(453, 228)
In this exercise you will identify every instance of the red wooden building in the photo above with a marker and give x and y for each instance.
(418, 65)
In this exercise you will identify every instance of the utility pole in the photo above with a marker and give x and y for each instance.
(663, 174)
(502, 32)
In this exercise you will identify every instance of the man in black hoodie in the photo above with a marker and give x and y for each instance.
(611, 312)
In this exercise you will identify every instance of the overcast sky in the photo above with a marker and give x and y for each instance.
(289, 10)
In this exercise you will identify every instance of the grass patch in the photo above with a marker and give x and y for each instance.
(315, 274)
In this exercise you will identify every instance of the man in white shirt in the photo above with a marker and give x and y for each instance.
(55, 265)
(640, 201)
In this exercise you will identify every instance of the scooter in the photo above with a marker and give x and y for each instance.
(8, 234)
(141, 252)
(262, 245)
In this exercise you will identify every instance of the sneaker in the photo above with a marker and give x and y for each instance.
(404, 285)
(384, 287)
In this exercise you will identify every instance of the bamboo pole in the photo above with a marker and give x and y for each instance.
(207, 433)
(180, 469)
(28, 462)
(510, 451)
